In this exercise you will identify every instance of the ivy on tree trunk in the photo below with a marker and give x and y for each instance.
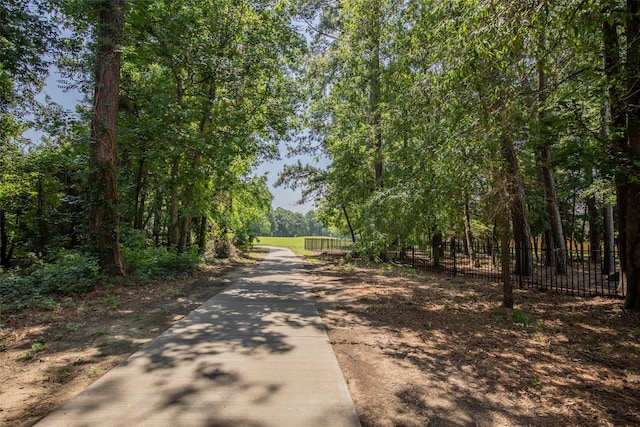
(104, 221)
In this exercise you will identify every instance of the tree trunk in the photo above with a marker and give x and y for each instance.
(553, 214)
(157, 218)
(594, 231)
(104, 224)
(202, 235)
(507, 286)
(551, 201)
(518, 208)
(138, 210)
(437, 249)
(174, 230)
(185, 231)
(43, 234)
(346, 217)
(609, 263)
(549, 259)
(473, 259)
(632, 194)
(5, 259)
(185, 221)
(612, 116)
(615, 130)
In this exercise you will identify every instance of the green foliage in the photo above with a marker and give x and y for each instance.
(36, 347)
(27, 33)
(70, 273)
(112, 302)
(160, 262)
(421, 92)
(285, 223)
(520, 318)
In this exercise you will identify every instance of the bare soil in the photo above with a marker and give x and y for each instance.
(419, 349)
(416, 349)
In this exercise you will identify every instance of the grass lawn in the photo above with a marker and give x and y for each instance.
(296, 244)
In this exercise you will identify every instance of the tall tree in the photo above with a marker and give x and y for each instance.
(629, 200)
(104, 215)
(557, 241)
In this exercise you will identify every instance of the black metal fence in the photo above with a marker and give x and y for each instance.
(588, 272)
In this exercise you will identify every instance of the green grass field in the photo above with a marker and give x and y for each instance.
(296, 244)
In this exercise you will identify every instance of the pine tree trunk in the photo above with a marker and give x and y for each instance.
(518, 208)
(553, 215)
(551, 201)
(104, 224)
(632, 195)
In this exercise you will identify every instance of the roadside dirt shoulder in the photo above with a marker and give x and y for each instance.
(47, 356)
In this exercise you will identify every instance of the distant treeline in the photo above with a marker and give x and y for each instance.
(286, 223)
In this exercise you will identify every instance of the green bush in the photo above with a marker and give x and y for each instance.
(172, 262)
(70, 273)
(135, 239)
(161, 263)
(15, 291)
(244, 239)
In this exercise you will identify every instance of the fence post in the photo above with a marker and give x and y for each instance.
(454, 253)
(413, 256)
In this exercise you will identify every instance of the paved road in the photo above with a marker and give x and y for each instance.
(255, 355)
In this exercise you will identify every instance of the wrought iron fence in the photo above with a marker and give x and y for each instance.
(589, 272)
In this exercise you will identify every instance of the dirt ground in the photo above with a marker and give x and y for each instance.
(416, 349)
(419, 349)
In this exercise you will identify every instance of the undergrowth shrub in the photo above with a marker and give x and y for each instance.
(161, 263)
(70, 273)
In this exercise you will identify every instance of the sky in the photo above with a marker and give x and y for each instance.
(283, 197)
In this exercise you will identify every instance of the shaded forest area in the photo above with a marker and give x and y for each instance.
(499, 121)
(155, 168)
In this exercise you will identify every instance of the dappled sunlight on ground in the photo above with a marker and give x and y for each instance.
(419, 349)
